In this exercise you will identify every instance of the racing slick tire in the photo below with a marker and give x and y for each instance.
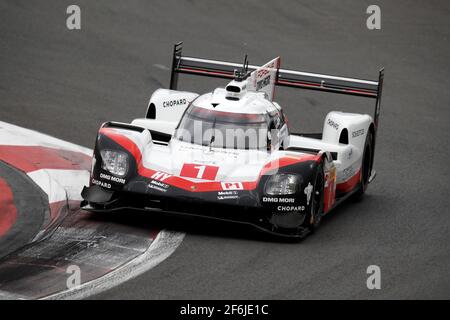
(314, 216)
(366, 167)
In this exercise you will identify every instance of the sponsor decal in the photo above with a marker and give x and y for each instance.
(357, 133)
(278, 200)
(195, 147)
(348, 173)
(333, 174)
(263, 83)
(112, 178)
(290, 208)
(101, 184)
(330, 176)
(173, 103)
(330, 189)
(227, 195)
(263, 71)
(157, 185)
(232, 186)
(161, 176)
(333, 124)
(308, 190)
(199, 171)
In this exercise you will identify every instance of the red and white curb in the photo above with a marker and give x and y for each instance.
(61, 169)
(8, 211)
(160, 249)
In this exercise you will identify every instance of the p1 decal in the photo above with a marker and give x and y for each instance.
(199, 171)
(232, 186)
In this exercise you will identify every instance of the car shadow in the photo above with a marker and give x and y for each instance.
(138, 221)
(144, 221)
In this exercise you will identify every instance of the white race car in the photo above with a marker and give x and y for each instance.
(229, 154)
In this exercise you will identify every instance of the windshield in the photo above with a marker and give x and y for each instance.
(220, 129)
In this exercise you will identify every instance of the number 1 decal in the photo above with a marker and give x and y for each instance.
(198, 171)
(201, 171)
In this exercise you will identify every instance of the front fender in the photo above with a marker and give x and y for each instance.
(289, 211)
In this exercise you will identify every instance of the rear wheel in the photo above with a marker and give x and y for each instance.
(366, 166)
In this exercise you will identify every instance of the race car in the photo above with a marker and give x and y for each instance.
(229, 154)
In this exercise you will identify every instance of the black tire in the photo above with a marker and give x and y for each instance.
(314, 216)
(366, 167)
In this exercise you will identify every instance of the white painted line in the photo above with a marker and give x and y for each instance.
(61, 184)
(161, 66)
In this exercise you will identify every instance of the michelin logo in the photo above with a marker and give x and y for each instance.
(308, 190)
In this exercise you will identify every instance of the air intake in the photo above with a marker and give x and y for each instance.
(236, 90)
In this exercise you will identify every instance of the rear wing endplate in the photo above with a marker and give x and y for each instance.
(285, 78)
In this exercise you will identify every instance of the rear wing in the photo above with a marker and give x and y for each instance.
(285, 78)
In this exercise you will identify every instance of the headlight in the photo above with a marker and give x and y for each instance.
(115, 162)
(281, 184)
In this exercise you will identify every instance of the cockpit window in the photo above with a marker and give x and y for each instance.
(220, 129)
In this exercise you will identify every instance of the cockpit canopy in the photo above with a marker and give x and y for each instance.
(220, 129)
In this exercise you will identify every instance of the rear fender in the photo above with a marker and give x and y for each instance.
(346, 128)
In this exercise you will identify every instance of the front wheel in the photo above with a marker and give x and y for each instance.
(314, 216)
(298, 225)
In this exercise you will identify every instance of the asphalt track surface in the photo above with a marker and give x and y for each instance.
(66, 83)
